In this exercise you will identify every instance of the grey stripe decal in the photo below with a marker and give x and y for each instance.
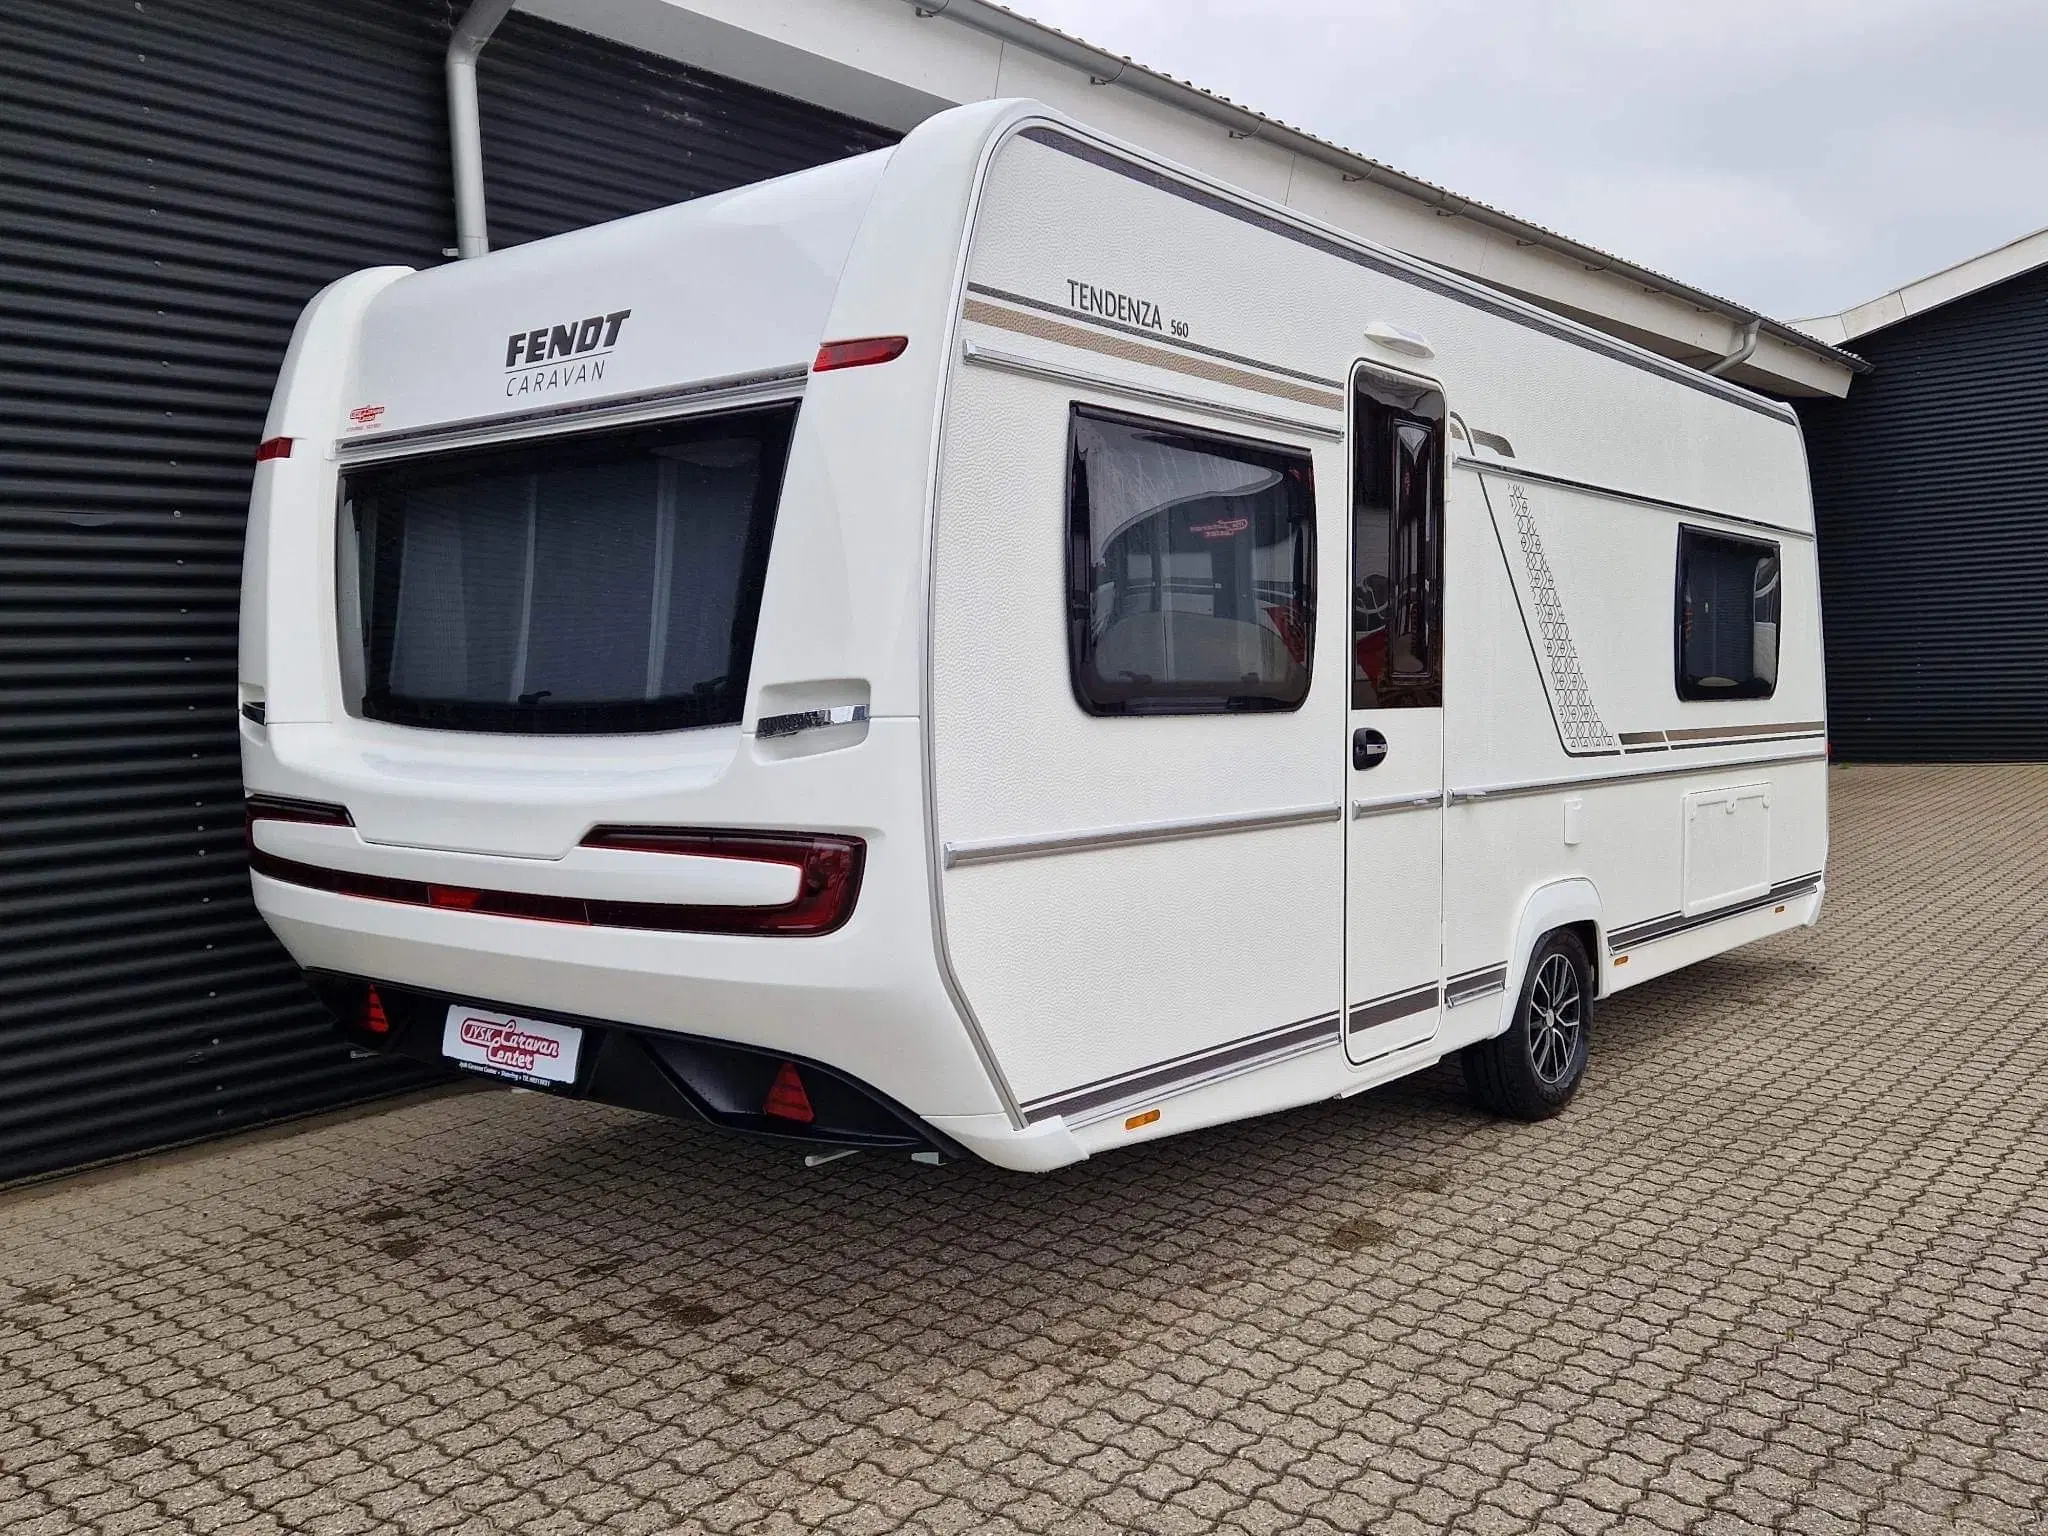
(1638, 934)
(1474, 984)
(1477, 792)
(983, 850)
(1637, 498)
(1714, 735)
(1152, 336)
(1399, 1006)
(1289, 1039)
(1422, 277)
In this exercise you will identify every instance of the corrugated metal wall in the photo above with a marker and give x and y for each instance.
(177, 178)
(1930, 485)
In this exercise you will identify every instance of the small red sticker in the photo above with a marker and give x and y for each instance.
(365, 415)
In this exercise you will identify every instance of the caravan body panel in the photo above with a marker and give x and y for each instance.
(1092, 910)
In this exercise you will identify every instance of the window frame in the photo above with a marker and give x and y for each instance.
(1366, 377)
(366, 649)
(1080, 568)
(1688, 690)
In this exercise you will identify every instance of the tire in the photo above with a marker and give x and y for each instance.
(1532, 1071)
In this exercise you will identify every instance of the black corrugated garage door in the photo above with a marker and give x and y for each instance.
(177, 178)
(1930, 485)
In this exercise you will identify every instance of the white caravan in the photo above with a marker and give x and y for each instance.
(1006, 645)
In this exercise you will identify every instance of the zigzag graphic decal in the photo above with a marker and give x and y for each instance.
(1577, 717)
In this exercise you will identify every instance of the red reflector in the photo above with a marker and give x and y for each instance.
(273, 448)
(858, 354)
(458, 897)
(375, 1019)
(786, 1097)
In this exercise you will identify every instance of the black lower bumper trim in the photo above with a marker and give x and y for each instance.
(656, 1071)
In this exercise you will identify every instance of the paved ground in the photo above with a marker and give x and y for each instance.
(1784, 1266)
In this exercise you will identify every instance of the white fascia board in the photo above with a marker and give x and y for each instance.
(880, 61)
(1932, 291)
(870, 59)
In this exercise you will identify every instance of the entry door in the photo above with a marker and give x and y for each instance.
(1393, 948)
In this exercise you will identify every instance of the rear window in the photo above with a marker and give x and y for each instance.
(608, 582)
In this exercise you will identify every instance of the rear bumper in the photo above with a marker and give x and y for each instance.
(656, 1071)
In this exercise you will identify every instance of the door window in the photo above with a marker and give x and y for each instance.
(1397, 558)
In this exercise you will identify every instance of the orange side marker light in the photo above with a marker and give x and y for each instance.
(1139, 1122)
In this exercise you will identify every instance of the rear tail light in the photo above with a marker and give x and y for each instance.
(828, 878)
(277, 808)
(859, 354)
(273, 448)
(828, 882)
(786, 1097)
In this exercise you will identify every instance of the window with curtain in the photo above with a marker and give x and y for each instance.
(1191, 561)
(1729, 596)
(605, 582)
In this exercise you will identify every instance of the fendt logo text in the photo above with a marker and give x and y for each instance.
(551, 357)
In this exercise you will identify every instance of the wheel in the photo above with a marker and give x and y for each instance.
(1532, 1071)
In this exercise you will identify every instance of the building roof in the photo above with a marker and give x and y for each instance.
(1932, 291)
(1108, 68)
(897, 62)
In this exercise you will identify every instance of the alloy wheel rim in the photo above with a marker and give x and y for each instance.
(1557, 1018)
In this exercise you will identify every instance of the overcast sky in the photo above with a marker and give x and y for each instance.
(1798, 156)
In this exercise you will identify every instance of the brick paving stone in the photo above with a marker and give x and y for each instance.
(1783, 1267)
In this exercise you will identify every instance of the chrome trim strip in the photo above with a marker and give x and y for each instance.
(1483, 982)
(810, 720)
(1549, 786)
(1636, 935)
(1363, 808)
(617, 410)
(1636, 498)
(1196, 1069)
(986, 850)
(1011, 362)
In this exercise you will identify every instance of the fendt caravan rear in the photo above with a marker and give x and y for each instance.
(1003, 645)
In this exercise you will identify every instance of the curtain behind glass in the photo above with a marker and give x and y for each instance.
(565, 587)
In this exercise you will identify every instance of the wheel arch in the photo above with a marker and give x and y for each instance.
(1573, 902)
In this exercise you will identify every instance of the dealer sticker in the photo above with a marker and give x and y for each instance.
(505, 1045)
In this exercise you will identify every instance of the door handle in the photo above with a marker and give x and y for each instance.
(1368, 748)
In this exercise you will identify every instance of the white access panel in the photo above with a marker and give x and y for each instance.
(1727, 846)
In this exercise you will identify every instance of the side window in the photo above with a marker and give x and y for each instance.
(1397, 545)
(1191, 562)
(1729, 591)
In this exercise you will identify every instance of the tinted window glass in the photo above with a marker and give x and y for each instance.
(1729, 595)
(1191, 569)
(602, 583)
(1397, 546)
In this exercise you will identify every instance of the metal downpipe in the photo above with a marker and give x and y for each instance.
(465, 130)
(1743, 348)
